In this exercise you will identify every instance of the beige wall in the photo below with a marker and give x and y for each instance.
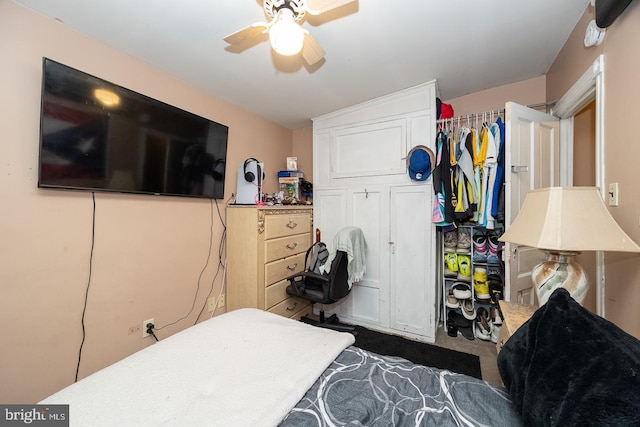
(151, 254)
(527, 92)
(303, 149)
(621, 49)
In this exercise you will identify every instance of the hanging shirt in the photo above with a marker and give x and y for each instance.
(490, 166)
(467, 191)
(484, 175)
(477, 169)
(497, 207)
(442, 181)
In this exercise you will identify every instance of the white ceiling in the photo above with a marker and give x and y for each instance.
(373, 47)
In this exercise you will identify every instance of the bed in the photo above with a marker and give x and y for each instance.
(252, 368)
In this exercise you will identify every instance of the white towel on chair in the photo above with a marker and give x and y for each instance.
(350, 240)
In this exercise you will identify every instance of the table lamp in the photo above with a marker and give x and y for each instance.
(562, 222)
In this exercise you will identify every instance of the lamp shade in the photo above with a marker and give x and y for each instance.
(567, 219)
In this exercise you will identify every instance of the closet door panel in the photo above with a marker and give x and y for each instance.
(330, 215)
(547, 156)
(368, 209)
(369, 150)
(329, 212)
(421, 130)
(412, 251)
(321, 160)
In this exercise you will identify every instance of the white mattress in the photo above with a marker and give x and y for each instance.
(244, 368)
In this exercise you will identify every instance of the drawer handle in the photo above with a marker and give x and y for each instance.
(294, 306)
(292, 268)
(292, 246)
(292, 224)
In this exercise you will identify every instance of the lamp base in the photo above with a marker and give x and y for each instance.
(560, 270)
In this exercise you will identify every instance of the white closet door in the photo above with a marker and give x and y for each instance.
(532, 161)
(368, 208)
(412, 246)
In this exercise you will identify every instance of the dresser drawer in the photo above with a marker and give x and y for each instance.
(306, 311)
(289, 307)
(275, 293)
(281, 269)
(286, 225)
(286, 246)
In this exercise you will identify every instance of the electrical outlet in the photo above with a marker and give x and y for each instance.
(221, 301)
(144, 327)
(211, 304)
(134, 329)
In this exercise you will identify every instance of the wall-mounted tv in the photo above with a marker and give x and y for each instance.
(98, 136)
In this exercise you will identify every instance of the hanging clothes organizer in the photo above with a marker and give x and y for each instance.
(469, 172)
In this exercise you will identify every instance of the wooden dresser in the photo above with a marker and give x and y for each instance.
(265, 245)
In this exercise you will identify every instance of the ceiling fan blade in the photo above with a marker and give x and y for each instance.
(247, 33)
(312, 52)
(316, 7)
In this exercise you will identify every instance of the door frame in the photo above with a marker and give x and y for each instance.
(589, 86)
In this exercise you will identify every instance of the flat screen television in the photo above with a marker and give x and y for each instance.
(98, 136)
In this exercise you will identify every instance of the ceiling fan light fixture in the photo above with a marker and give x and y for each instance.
(285, 35)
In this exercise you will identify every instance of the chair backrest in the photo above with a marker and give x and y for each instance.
(338, 277)
(319, 255)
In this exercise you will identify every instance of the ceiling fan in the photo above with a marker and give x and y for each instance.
(285, 33)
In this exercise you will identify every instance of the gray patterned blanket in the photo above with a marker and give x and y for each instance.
(361, 388)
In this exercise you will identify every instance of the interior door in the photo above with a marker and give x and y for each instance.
(532, 160)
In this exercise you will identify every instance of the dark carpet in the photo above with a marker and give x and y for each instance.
(417, 352)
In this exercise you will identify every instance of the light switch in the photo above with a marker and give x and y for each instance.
(613, 194)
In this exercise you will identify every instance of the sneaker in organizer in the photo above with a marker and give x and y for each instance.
(494, 315)
(464, 267)
(452, 329)
(480, 285)
(468, 309)
(452, 301)
(450, 265)
(483, 326)
(495, 333)
(496, 288)
(461, 290)
(464, 325)
(494, 248)
(479, 247)
(464, 240)
(451, 240)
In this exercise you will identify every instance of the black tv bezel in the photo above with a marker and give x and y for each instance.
(216, 196)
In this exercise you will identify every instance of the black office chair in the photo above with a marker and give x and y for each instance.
(323, 289)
